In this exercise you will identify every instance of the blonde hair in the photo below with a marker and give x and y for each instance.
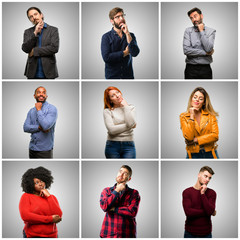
(207, 106)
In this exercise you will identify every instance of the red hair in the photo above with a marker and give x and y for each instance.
(107, 102)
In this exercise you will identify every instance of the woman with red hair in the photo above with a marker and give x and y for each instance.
(119, 118)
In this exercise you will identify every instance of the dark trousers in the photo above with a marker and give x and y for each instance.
(40, 154)
(199, 71)
(189, 235)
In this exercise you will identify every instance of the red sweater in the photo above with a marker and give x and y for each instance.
(198, 209)
(36, 212)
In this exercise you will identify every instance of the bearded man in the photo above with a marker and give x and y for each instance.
(40, 122)
(121, 206)
(198, 43)
(41, 43)
(118, 46)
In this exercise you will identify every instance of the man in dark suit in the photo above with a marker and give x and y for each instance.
(40, 42)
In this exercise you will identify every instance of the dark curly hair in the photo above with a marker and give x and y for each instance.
(41, 173)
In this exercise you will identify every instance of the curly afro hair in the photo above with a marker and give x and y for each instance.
(41, 173)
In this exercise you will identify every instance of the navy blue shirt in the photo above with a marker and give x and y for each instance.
(112, 47)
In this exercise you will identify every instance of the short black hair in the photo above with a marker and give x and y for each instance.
(38, 88)
(194, 10)
(41, 173)
(34, 8)
(128, 168)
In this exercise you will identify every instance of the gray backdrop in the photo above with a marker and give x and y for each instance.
(101, 174)
(18, 100)
(142, 20)
(174, 100)
(221, 16)
(64, 16)
(177, 176)
(143, 95)
(65, 188)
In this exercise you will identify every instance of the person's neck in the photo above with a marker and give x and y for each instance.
(118, 31)
(197, 185)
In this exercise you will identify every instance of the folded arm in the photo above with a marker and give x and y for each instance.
(50, 49)
(188, 49)
(211, 137)
(54, 205)
(188, 209)
(132, 209)
(133, 47)
(46, 121)
(28, 127)
(188, 127)
(209, 203)
(114, 129)
(107, 199)
(29, 41)
(28, 216)
(207, 41)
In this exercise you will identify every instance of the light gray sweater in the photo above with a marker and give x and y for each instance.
(120, 122)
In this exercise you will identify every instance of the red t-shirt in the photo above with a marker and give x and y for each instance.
(36, 212)
(198, 209)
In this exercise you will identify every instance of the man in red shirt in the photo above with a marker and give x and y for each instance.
(121, 206)
(199, 205)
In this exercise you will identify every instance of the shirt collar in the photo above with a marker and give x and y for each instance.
(202, 112)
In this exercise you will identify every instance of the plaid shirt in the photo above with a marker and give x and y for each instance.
(121, 222)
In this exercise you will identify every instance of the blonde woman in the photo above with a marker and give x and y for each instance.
(199, 126)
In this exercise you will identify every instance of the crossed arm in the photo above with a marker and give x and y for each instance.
(46, 121)
(28, 216)
(114, 129)
(108, 199)
(206, 41)
(207, 203)
(30, 43)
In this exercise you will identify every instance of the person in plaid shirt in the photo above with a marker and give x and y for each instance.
(121, 206)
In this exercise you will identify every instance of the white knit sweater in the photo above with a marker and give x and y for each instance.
(119, 123)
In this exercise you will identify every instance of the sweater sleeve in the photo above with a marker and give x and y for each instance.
(209, 203)
(54, 205)
(28, 216)
(107, 199)
(132, 209)
(188, 209)
(111, 127)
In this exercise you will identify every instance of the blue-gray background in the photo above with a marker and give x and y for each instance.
(97, 175)
(143, 95)
(142, 20)
(63, 15)
(221, 16)
(17, 100)
(65, 188)
(177, 176)
(174, 100)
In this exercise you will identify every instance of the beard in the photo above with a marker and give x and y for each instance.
(116, 25)
(42, 101)
(196, 23)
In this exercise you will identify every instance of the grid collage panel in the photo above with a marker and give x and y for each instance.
(80, 170)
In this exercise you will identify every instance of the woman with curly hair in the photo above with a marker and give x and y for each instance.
(119, 118)
(39, 209)
(199, 126)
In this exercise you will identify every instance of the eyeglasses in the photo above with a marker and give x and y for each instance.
(122, 16)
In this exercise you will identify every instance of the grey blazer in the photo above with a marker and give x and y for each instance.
(49, 46)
